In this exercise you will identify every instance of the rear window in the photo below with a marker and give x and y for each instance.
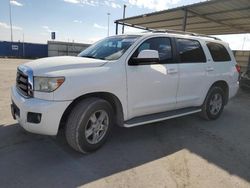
(218, 52)
(190, 51)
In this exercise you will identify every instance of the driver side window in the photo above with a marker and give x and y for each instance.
(160, 44)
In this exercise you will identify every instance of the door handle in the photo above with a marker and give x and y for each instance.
(209, 69)
(172, 71)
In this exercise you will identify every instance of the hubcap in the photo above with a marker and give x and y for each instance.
(215, 104)
(97, 127)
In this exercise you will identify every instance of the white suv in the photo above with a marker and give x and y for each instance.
(124, 80)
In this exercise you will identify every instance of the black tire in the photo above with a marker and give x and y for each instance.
(207, 112)
(79, 119)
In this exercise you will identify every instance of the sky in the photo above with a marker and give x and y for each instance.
(83, 21)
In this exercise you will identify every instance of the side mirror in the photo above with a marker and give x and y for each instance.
(145, 57)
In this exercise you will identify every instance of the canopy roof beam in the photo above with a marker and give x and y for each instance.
(207, 16)
(215, 21)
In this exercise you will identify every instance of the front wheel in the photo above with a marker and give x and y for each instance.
(89, 125)
(213, 104)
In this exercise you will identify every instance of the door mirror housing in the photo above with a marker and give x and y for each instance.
(145, 57)
(148, 54)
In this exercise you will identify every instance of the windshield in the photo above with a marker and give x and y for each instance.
(110, 48)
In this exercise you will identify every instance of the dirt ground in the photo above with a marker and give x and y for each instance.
(183, 152)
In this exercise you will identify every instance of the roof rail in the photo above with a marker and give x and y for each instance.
(184, 33)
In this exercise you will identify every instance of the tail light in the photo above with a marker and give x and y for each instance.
(237, 68)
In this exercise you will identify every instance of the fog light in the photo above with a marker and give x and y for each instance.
(34, 117)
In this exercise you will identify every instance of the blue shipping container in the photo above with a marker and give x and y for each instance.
(23, 50)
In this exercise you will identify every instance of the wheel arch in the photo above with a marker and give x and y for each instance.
(224, 86)
(111, 98)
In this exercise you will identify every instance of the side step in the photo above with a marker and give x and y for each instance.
(160, 116)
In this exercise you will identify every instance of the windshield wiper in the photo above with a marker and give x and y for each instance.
(89, 56)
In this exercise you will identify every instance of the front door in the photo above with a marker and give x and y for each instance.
(152, 87)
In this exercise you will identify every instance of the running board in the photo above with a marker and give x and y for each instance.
(160, 116)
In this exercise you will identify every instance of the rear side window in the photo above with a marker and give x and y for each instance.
(190, 51)
(218, 52)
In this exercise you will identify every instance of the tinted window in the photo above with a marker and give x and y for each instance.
(190, 51)
(218, 52)
(160, 44)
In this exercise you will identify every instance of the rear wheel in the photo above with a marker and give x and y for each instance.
(213, 104)
(89, 125)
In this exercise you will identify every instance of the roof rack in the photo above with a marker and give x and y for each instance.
(184, 33)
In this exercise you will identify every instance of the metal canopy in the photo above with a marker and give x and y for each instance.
(215, 17)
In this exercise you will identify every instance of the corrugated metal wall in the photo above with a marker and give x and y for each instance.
(243, 59)
(23, 50)
(56, 48)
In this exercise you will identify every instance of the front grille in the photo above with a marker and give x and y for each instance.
(22, 83)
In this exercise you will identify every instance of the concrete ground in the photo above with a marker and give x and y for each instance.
(184, 152)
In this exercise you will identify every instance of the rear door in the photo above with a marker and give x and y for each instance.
(193, 68)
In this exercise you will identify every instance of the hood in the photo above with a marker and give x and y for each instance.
(52, 64)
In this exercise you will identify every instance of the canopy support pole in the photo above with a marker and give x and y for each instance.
(184, 23)
(116, 28)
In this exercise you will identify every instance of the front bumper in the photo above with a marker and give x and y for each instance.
(51, 112)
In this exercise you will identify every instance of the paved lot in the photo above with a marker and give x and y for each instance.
(184, 152)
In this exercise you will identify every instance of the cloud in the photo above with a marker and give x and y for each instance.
(90, 2)
(111, 3)
(48, 29)
(153, 4)
(100, 26)
(77, 21)
(6, 26)
(16, 3)
(72, 1)
(108, 3)
(149, 4)
(83, 2)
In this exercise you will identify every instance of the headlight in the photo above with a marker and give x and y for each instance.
(47, 84)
